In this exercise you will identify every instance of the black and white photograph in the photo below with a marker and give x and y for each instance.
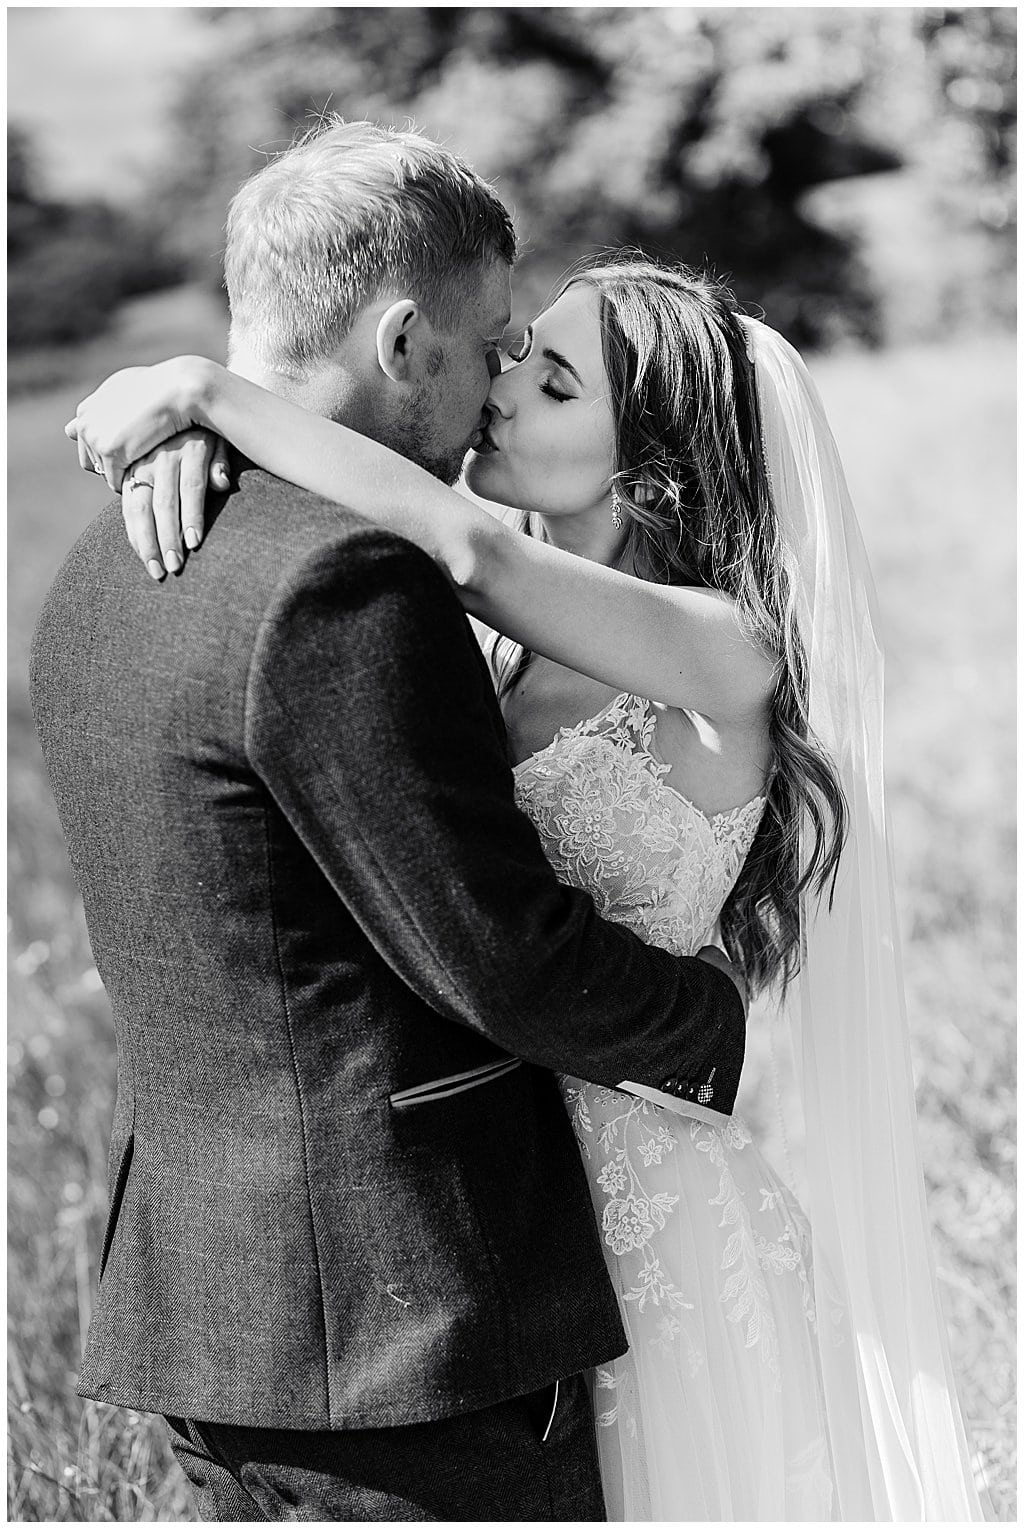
(511, 764)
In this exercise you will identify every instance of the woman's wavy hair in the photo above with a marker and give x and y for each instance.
(697, 501)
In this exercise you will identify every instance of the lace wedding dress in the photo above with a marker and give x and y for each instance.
(716, 1412)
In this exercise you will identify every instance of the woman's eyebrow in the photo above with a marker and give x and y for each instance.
(567, 366)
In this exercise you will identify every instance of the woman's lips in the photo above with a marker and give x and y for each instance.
(482, 441)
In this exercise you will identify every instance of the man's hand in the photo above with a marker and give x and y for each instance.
(715, 957)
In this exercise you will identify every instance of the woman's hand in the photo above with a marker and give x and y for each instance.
(162, 497)
(136, 409)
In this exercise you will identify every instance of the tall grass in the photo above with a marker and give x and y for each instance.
(927, 436)
(67, 1459)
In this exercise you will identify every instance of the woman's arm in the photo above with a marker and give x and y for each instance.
(681, 646)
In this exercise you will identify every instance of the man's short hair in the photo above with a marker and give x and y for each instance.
(349, 213)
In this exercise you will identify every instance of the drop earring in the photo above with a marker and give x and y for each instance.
(616, 509)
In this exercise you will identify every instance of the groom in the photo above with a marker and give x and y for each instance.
(351, 1254)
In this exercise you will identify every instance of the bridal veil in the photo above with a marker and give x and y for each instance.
(898, 1442)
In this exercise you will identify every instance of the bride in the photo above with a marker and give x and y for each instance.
(683, 644)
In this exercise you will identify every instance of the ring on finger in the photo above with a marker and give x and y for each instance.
(132, 483)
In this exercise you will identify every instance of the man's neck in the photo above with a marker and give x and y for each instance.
(334, 395)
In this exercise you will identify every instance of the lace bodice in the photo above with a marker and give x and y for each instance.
(612, 825)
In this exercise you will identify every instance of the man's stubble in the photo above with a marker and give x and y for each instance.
(421, 437)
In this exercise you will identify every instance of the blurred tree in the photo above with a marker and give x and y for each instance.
(694, 133)
(973, 56)
(70, 264)
(24, 212)
(972, 157)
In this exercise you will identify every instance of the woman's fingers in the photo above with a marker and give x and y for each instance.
(167, 508)
(92, 461)
(162, 499)
(197, 462)
(220, 467)
(139, 522)
(113, 473)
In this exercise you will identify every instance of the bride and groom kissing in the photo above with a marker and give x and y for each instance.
(426, 1066)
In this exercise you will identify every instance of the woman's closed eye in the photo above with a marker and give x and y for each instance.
(549, 388)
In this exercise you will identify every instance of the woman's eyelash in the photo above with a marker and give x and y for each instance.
(552, 392)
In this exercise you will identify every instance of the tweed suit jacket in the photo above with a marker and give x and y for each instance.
(344, 1190)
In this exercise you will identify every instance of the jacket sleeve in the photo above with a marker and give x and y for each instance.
(371, 719)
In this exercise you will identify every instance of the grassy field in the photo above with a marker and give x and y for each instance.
(928, 439)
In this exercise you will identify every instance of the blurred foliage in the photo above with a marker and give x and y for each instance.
(849, 170)
(71, 264)
(974, 58)
(694, 133)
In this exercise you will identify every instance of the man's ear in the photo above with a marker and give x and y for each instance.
(399, 331)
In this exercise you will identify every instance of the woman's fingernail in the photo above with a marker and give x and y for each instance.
(191, 538)
(155, 568)
(172, 562)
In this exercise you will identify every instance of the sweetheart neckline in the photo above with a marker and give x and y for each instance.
(626, 695)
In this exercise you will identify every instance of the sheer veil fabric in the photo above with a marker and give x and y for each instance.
(898, 1442)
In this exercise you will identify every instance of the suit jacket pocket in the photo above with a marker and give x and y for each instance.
(456, 1083)
(117, 1199)
(471, 1114)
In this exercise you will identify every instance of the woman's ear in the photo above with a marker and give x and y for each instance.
(398, 332)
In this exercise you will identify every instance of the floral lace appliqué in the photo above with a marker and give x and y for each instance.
(657, 863)
(700, 1236)
(612, 825)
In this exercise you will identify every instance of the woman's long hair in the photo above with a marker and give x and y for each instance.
(698, 507)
